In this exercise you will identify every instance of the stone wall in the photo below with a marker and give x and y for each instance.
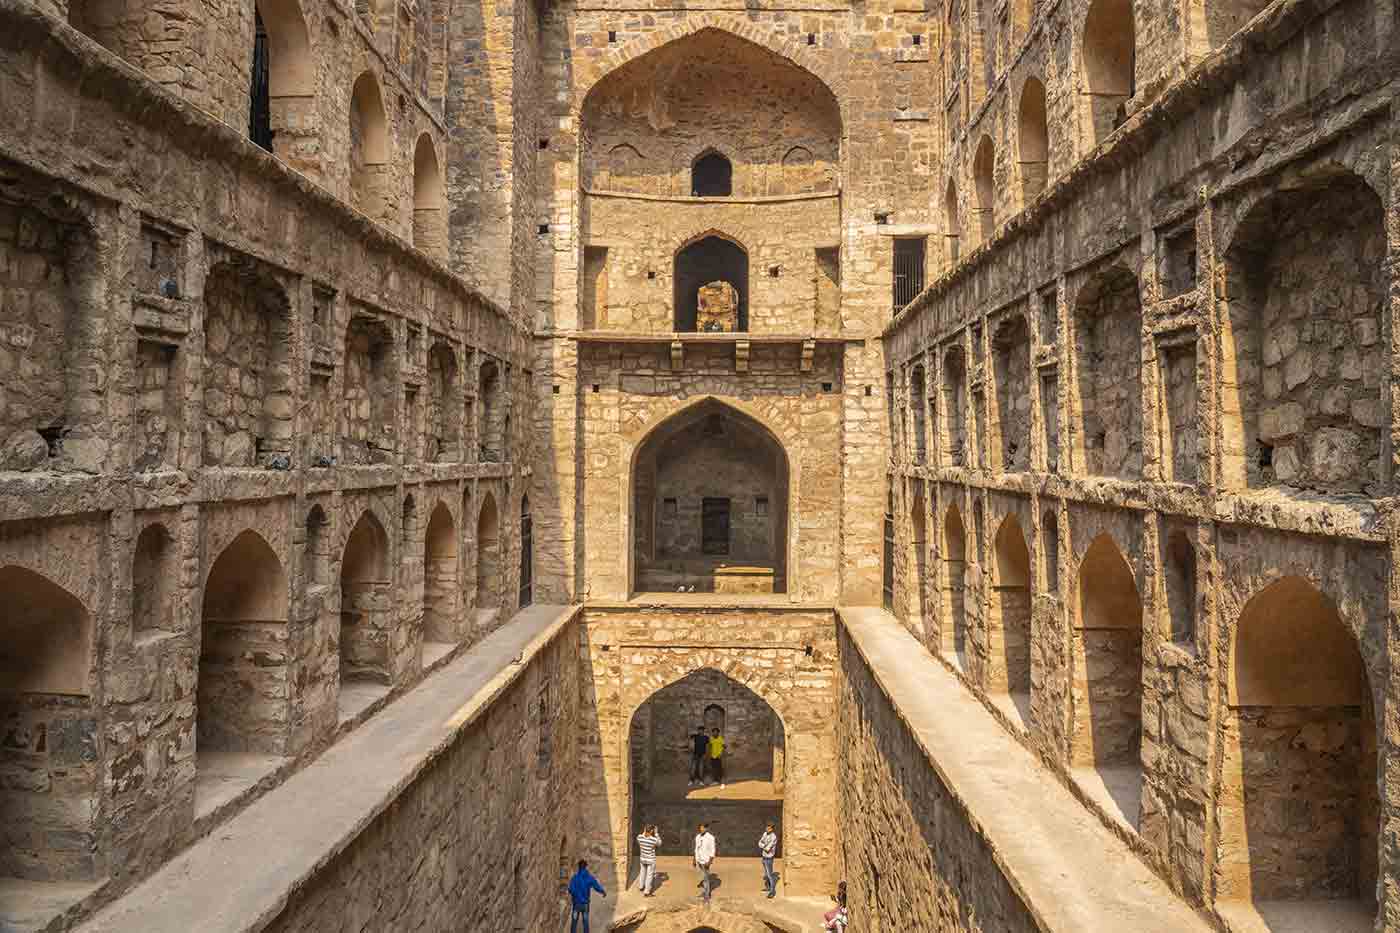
(912, 856)
(1160, 416)
(200, 569)
(479, 839)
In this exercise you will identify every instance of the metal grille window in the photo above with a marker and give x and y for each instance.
(527, 554)
(888, 587)
(260, 113)
(908, 270)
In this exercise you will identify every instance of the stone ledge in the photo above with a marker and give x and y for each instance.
(1069, 870)
(237, 883)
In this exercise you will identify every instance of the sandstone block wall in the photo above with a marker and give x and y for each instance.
(1190, 462)
(483, 837)
(180, 483)
(912, 856)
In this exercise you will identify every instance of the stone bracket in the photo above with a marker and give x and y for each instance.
(741, 356)
(677, 355)
(809, 349)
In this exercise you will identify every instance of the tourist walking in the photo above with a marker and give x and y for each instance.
(581, 888)
(699, 748)
(836, 918)
(647, 844)
(717, 758)
(704, 858)
(767, 851)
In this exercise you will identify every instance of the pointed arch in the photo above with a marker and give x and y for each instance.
(369, 147)
(952, 223)
(429, 222)
(1010, 632)
(954, 586)
(1033, 135)
(488, 558)
(1107, 691)
(1108, 51)
(709, 451)
(366, 596)
(984, 183)
(440, 578)
(154, 582)
(242, 700)
(711, 175)
(713, 257)
(527, 554)
(1301, 739)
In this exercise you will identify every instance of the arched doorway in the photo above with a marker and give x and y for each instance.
(738, 807)
(429, 225)
(1299, 808)
(242, 690)
(370, 175)
(45, 686)
(712, 286)
(954, 587)
(1106, 692)
(488, 562)
(527, 554)
(710, 502)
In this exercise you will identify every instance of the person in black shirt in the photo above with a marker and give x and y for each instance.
(699, 748)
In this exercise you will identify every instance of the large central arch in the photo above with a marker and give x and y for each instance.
(710, 496)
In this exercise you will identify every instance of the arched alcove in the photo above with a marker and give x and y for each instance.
(984, 179)
(1009, 634)
(242, 705)
(1033, 133)
(440, 582)
(1011, 364)
(429, 220)
(710, 500)
(1108, 47)
(370, 178)
(702, 270)
(443, 397)
(488, 560)
(659, 750)
(492, 414)
(370, 392)
(918, 404)
(954, 586)
(317, 563)
(1106, 693)
(283, 75)
(952, 223)
(154, 582)
(45, 680)
(918, 558)
(366, 608)
(1299, 808)
(954, 408)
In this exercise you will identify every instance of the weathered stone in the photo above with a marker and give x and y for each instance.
(23, 450)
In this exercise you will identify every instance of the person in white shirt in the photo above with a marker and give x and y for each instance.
(767, 851)
(647, 844)
(704, 857)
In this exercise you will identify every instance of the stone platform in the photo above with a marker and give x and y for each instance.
(738, 892)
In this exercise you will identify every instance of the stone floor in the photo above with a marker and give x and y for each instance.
(676, 787)
(1351, 916)
(1116, 790)
(356, 696)
(738, 890)
(222, 777)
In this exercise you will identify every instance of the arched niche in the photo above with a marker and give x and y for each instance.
(526, 592)
(702, 270)
(242, 705)
(1107, 686)
(1009, 669)
(711, 176)
(441, 615)
(154, 582)
(1108, 48)
(46, 640)
(366, 610)
(488, 559)
(444, 393)
(492, 413)
(429, 220)
(954, 586)
(1299, 807)
(984, 183)
(710, 500)
(370, 178)
(1108, 353)
(1033, 134)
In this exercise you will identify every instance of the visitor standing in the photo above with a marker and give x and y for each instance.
(699, 748)
(581, 888)
(767, 851)
(704, 858)
(717, 758)
(647, 844)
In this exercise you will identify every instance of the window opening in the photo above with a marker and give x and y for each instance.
(711, 176)
(260, 113)
(908, 270)
(714, 525)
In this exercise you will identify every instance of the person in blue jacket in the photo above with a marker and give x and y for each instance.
(581, 888)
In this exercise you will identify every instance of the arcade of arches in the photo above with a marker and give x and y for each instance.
(415, 424)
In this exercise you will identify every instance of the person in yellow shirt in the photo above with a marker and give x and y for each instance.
(717, 757)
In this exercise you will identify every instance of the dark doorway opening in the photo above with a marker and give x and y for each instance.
(711, 176)
(712, 259)
(714, 525)
(260, 113)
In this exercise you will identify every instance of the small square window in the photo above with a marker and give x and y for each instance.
(669, 508)
(760, 506)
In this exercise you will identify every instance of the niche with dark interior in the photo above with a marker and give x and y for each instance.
(711, 176)
(711, 259)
